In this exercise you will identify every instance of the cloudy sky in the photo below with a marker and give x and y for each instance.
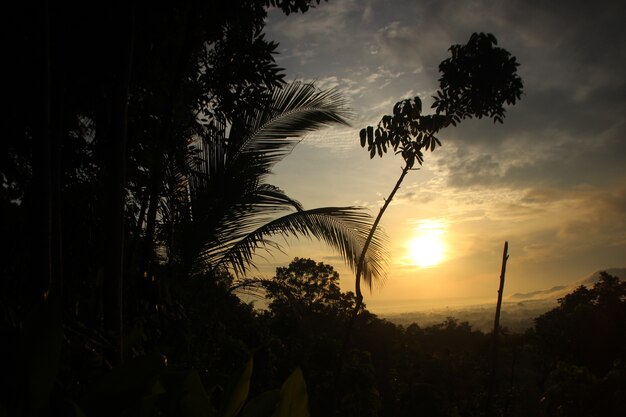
(551, 180)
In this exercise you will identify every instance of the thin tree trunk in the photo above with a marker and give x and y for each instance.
(44, 209)
(496, 331)
(154, 191)
(357, 285)
(41, 340)
(158, 167)
(56, 179)
(131, 252)
(44, 151)
(116, 183)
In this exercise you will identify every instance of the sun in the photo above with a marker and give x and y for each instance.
(427, 248)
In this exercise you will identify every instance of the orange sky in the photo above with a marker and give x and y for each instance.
(551, 180)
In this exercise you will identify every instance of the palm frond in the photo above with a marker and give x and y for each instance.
(222, 220)
(267, 195)
(234, 211)
(271, 132)
(345, 229)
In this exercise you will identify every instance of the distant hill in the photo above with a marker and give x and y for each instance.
(593, 278)
(516, 316)
(559, 291)
(518, 310)
(537, 294)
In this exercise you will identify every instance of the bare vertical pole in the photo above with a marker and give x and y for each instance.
(496, 329)
(496, 322)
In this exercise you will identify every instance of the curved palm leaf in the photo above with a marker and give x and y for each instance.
(267, 135)
(257, 140)
(345, 229)
(233, 212)
(220, 221)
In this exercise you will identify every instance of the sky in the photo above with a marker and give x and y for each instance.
(551, 180)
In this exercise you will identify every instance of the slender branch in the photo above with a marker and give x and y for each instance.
(361, 264)
(359, 273)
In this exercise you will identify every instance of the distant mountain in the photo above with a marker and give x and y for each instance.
(559, 291)
(593, 278)
(517, 317)
(518, 310)
(536, 294)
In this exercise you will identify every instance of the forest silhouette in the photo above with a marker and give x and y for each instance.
(134, 198)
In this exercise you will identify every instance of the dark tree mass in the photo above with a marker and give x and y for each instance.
(134, 195)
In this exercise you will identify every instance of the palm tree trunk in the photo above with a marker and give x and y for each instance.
(131, 252)
(157, 171)
(44, 209)
(154, 191)
(42, 167)
(116, 183)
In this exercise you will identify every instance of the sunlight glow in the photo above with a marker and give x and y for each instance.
(427, 247)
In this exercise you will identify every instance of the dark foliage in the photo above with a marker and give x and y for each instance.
(443, 370)
(101, 309)
(588, 328)
(583, 342)
(105, 99)
(477, 80)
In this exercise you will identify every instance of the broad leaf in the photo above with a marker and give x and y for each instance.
(293, 397)
(263, 405)
(344, 229)
(237, 393)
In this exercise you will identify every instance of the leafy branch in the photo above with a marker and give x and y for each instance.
(476, 81)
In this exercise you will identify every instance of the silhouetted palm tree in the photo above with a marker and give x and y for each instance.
(229, 209)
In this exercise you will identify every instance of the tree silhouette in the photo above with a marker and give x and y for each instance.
(588, 327)
(306, 287)
(118, 90)
(476, 81)
(583, 345)
(306, 312)
(104, 101)
(233, 211)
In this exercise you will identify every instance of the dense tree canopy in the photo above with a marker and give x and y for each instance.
(588, 328)
(307, 287)
(133, 175)
(142, 161)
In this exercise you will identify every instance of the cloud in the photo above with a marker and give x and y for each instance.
(318, 23)
(311, 37)
(547, 157)
(336, 140)
(547, 222)
(333, 258)
(471, 169)
(382, 77)
(550, 178)
(600, 217)
(540, 294)
(349, 87)
(574, 221)
(401, 44)
(569, 127)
